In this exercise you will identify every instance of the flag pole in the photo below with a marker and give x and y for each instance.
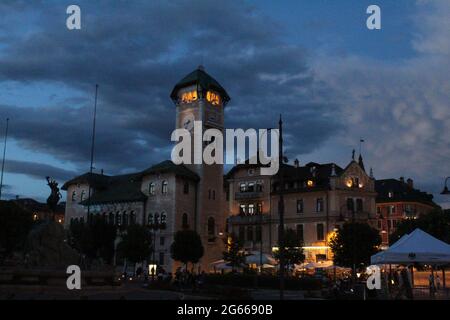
(4, 155)
(92, 154)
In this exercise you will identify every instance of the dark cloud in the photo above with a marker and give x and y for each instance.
(137, 51)
(38, 170)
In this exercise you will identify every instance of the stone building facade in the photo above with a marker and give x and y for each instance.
(318, 199)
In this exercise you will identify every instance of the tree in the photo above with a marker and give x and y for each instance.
(15, 224)
(293, 251)
(187, 247)
(94, 239)
(354, 243)
(234, 254)
(436, 223)
(136, 244)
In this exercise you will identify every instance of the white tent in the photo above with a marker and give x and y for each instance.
(418, 246)
(255, 257)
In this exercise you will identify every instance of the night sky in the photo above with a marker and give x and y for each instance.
(315, 62)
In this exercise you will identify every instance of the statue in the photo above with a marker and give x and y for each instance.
(55, 196)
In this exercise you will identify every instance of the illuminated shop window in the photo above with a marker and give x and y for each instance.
(189, 97)
(213, 98)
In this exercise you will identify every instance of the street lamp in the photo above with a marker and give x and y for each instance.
(156, 225)
(446, 191)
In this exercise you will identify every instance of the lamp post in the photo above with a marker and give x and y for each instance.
(446, 191)
(281, 209)
(155, 226)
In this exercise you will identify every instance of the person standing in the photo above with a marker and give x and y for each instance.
(432, 285)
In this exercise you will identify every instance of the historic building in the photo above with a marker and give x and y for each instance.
(318, 199)
(398, 200)
(166, 195)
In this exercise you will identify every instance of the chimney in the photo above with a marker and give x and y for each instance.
(410, 183)
(296, 163)
(402, 179)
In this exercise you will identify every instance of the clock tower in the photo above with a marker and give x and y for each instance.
(199, 97)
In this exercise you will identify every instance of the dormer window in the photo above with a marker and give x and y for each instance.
(189, 97)
(213, 98)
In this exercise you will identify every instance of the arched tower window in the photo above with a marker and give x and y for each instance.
(74, 196)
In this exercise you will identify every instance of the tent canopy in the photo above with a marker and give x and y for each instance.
(416, 247)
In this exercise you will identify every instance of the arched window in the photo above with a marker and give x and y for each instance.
(211, 227)
(151, 188)
(132, 217)
(156, 218)
(184, 221)
(111, 218)
(118, 218)
(164, 187)
(74, 196)
(83, 195)
(150, 219)
(125, 218)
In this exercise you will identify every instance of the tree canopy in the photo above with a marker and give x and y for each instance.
(354, 241)
(136, 244)
(15, 224)
(187, 247)
(234, 254)
(436, 223)
(293, 252)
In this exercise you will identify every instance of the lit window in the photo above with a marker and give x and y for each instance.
(213, 98)
(251, 209)
(242, 209)
(243, 187)
(189, 97)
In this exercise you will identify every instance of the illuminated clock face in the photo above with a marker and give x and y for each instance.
(188, 122)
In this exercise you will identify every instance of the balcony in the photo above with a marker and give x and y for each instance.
(248, 195)
(249, 219)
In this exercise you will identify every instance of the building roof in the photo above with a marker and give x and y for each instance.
(123, 188)
(400, 192)
(126, 188)
(94, 179)
(168, 166)
(203, 80)
(319, 173)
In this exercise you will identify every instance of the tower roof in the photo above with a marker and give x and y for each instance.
(203, 80)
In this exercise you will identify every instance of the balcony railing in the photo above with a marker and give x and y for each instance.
(249, 219)
(248, 195)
